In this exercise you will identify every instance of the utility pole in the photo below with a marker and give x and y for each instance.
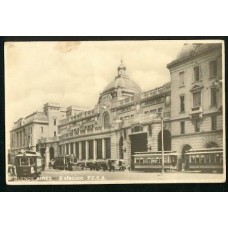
(162, 139)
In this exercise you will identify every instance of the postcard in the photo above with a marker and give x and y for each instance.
(114, 112)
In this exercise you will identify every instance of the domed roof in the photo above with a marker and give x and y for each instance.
(193, 48)
(122, 82)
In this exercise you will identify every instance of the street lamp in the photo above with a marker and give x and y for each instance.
(162, 141)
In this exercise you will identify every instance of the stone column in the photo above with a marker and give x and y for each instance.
(80, 150)
(127, 153)
(95, 149)
(65, 151)
(149, 143)
(103, 148)
(47, 157)
(69, 149)
(87, 150)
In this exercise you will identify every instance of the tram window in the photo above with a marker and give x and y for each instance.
(207, 160)
(212, 158)
(197, 158)
(24, 162)
(217, 158)
(221, 158)
(158, 160)
(32, 161)
(202, 159)
(192, 159)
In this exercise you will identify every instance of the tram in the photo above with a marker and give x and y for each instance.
(152, 161)
(205, 160)
(28, 164)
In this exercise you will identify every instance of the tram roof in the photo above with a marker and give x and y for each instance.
(206, 150)
(156, 153)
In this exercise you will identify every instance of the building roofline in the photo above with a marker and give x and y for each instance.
(176, 62)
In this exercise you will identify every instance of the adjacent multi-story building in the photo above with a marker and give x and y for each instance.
(27, 132)
(196, 98)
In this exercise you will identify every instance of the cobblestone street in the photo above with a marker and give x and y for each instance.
(100, 177)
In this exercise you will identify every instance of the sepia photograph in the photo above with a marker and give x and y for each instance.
(115, 112)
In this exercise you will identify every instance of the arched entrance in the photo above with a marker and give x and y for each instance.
(121, 147)
(166, 140)
(138, 144)
(184, 161)
(52, 153)
(211, 145)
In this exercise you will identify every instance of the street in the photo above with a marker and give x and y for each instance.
(106, 177)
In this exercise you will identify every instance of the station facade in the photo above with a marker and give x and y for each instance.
(125, 120)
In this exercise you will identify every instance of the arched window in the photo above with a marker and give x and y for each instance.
(106, 120)
(211, 145)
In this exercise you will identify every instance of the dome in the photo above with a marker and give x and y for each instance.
(122, 82)
(186, 50)
(193, 48)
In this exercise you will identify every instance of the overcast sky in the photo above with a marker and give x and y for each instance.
(74, 73)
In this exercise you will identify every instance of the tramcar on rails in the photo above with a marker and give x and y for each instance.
(28, 164)
(152, 161)
(205, 160)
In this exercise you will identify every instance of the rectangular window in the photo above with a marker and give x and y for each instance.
(213, 123)
(182, 125)
(197, 99)
(182, 104)
(213, 97)
(197, 125)
(213, 68)
(42, 129)
(181, 79)
(54, 133)
(196, 74)
(54, 121)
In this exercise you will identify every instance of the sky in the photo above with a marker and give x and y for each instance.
(75, 73)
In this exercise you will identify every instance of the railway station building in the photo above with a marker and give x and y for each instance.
(126, 120)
